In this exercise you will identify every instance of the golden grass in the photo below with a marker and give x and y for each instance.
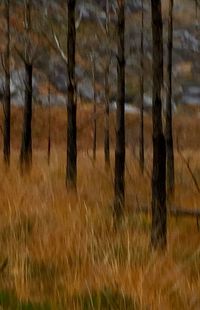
(61, 247)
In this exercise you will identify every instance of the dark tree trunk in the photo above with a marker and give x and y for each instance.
(71, 170)
(196, 9)
(7, 108)
(94, 109)
(49, 126)
(141, 138)
(159, 214)
(107, 116)
(168, 129)
(120, 123)
(26, 145)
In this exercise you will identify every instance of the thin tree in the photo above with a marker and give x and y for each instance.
(49, 123)
(107, 118)
(93, 64)
(141, 137)
(196, 9)
(119, 182)
(107, 91)
(6, 104)
(159, 214)
(168, 129)
(26, 144)
(71, 169)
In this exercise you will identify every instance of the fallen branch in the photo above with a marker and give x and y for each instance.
(177, 212)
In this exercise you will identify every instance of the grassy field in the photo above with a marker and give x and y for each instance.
(58, 248)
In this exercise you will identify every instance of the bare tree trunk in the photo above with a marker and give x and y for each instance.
(71, 170)
(159, 214)
(141, 138)
(196, 9)
(26, 146)
(49, 125)
(94, 108)
(107, 91)
(168, 129)
(107, 116)
(120, 122)
(6, 106)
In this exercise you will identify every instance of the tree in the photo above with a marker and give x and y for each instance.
(6, 105)
(26, 144)
(141, 138)
(49, 123)
(71, 170)
(168, 129)
(107, 117)
(159, 214)
(106, 58)
(93, 64)
(107, 90)
(119, 191)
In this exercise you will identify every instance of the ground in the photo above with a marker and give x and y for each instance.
(59, 249)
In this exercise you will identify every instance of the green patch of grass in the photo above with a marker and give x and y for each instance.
(11, 302)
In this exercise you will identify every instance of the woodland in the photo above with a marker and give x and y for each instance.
(100, 164)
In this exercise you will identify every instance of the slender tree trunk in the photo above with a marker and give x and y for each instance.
(7, 107)
(196, 9)
(107, 92)
(26, 145)
(159, 214)
(94, 109)
(168, 129)
(107, 116)
(141, 138)
(71, 170)
(120, 122)
(49, 125)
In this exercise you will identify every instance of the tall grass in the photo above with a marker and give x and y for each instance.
(63, 253)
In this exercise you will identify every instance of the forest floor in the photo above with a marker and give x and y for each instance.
(59, 249)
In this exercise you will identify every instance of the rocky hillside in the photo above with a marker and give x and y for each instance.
(50, 17)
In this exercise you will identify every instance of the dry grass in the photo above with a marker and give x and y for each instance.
(60, 250)
(61, 247)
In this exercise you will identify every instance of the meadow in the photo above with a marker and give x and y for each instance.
(59, 249)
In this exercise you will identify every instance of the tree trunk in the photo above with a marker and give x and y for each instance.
(141, 138)
(7, 107)
(120, 123)
(71, 170)
(26, 145)
(107, 116)
(168, 129)
(94, 109)
(49, 126)
(159, 214)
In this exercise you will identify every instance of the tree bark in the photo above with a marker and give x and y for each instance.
(7, 106)
(107, 116)
(26, 143)
(26, 146)
(94, 108)
(168, 129)
(141, 137)
(49, 125)
(119, 198)
(159, 214)
(71, 170)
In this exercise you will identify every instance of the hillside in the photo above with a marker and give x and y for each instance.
(90, 15)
